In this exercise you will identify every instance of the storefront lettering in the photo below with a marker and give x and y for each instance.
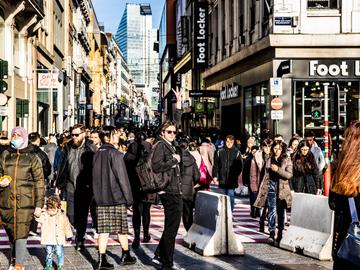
(332, 70)
(357, 68)
(229, 91)
(201, 33)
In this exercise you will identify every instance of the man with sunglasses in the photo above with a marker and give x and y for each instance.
(74, 180)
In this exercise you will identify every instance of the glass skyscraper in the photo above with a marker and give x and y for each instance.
(135, 37)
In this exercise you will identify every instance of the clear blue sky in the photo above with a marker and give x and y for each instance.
(109, 12)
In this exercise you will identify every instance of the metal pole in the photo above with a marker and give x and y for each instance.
(327, 175)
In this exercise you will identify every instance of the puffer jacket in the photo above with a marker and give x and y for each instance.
(190, 175)
(285, 173)
(164, 162)
(24, 193)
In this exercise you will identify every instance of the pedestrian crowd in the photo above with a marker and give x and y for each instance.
(96, 170)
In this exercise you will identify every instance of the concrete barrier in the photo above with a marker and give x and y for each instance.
(212, 231)
(311, 226)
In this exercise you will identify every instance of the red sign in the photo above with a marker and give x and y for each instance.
(276, 104)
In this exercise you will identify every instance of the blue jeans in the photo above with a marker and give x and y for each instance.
(276, 208)
(59, 249)
(231, 193)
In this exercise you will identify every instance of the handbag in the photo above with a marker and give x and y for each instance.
(205, 177)
(350, 247)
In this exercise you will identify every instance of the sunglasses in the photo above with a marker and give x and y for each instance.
(76, 135)
(170, 131)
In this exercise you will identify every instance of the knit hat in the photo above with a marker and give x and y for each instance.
(23, 134)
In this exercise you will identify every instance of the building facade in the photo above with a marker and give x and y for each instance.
(302, 52)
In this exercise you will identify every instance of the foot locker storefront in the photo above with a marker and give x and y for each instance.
(310, 78)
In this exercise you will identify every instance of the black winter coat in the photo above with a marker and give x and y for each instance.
(134, 153)
(190, 175)
(227, 167)
(305, 180)
(45, 162)
(342, 220)
(110, 184)
(164, 162)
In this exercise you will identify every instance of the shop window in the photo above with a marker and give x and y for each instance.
(256, 115)
(343, 107)
(323, 4)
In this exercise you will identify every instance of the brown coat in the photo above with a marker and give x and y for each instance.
(54, 229)
(285, 172)
(24, 193)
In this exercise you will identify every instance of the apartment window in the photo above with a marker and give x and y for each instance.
(252, 17)
(323, 4)
(231, 19)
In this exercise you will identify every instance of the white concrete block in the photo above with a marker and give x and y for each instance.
(210, 234)
(311, 227)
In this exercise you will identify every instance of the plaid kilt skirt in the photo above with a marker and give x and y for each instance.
(112, 219)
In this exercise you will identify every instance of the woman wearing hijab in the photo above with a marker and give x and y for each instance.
(21, 174)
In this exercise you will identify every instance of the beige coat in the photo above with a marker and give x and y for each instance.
(285, 172)
(54, 229)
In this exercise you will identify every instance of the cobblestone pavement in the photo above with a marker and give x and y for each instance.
(258, 256)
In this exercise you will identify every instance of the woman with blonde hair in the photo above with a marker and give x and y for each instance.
(345, 184)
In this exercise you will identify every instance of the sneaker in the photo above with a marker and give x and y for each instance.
(49, 267)
(80, 246)
(156, 260)
(31, 233)
(60, 267)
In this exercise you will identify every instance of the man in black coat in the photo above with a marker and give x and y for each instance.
(75, 179)
(112, 194)
(227, 168)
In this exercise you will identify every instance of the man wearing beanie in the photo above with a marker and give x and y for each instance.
(21, 172)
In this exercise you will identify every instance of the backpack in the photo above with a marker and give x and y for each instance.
(150, 182)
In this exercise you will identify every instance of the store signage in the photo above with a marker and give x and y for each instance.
(285, 21)
(229, 92)
(284, 68)
(204, 93)
(200, 47)
(277, 115)
(276, 87)
(48, 80)
(334, 68)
